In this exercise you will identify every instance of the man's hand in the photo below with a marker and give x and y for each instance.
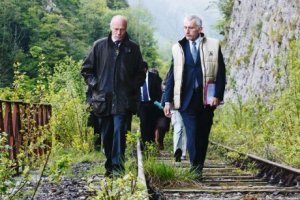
(167, 110)
(215, 102)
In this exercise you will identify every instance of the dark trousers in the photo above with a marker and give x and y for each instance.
(113, 130)
(198, 121)
(148, 117)
(94, 122)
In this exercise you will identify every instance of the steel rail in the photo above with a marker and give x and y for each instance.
(274, 172)
(141, 173)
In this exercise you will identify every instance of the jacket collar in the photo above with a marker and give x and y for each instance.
(184, 40)
(124, 41)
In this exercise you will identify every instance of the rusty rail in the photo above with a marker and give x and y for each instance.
(270, 171)
(18, 118)
(222, 180)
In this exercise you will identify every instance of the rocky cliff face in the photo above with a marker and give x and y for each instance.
(257, 44)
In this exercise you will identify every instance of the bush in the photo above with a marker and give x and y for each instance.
(268, 129)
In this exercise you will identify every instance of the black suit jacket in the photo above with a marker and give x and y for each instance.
(154, 86)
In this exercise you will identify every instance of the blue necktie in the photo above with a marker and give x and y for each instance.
(195, 54)
(145, 96)
(194, 51)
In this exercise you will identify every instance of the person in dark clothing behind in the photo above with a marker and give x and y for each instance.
(148, 112)
(93, 122)
(197, 64)
(163, 122)
(114, 71)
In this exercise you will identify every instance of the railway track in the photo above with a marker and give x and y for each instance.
(222, 180)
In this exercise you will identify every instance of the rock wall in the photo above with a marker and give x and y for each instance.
(257, 45)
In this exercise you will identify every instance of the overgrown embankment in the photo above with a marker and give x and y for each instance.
(262, 105)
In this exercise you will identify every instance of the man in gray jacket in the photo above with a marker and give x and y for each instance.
(114, 71)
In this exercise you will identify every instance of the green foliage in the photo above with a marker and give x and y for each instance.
(10, 33)
(150, 151)
(68, 8)
(20, 88)
(130, 152)
(60, 164)
(168, 140)
(246, 57)
(92, 19)
(277, 35)
(25, 88)
(6, 166)
(94, 170)
(69, 118)
(267, 128)
(139, 28)
(63, 159)
(161, 172)
(117, 4)
(225, 7)
(258, 29)
(265, 57)
(126, 188)
(35, 139)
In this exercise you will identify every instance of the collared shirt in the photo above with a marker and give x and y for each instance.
(198, 41)
(114, 41)
(141, 88)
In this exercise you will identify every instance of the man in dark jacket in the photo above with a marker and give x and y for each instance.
(196, 66)
(114, 71)
(148, 112)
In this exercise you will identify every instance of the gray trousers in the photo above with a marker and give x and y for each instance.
(179, 134)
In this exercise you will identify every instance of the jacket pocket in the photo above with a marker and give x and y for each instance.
(100, 104)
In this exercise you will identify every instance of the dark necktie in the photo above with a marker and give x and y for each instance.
(194, 51)
(117, 43)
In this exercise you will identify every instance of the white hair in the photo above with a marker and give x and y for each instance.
(118, 17)
(194, 17)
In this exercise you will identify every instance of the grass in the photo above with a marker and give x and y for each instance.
(95, 169)
(163, 173)
(62, 161)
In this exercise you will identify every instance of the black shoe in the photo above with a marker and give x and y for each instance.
(199, 176)
(198, 173)
(108, 174)
(118, 174)
(118, 171)
(177, 155)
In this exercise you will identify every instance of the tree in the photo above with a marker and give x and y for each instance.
(91, 19)
(10, 37)
(117, 4)
(139, 28)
